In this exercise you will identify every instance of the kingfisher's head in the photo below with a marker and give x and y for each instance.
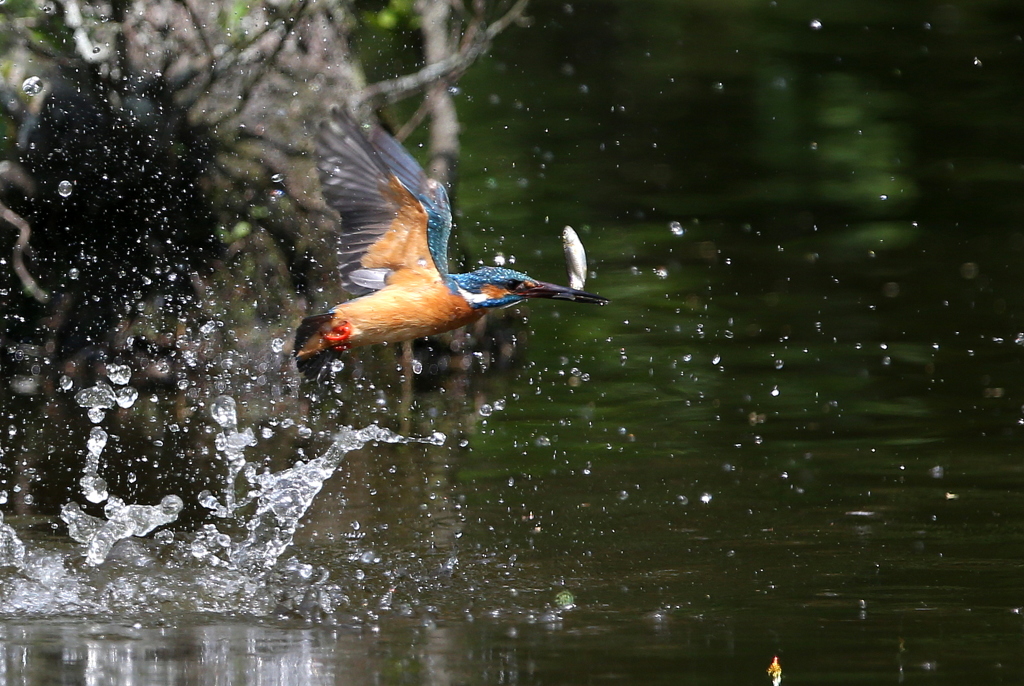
(499, 287)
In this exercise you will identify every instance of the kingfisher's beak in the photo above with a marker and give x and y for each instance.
(540, 289)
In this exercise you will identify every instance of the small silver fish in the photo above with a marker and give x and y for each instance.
(575, 258)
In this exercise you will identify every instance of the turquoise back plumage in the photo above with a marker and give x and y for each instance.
(439, 225)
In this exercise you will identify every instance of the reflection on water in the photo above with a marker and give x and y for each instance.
(655, 650)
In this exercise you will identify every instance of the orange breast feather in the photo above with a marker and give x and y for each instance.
(415, 303)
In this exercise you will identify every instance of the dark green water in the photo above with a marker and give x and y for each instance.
(796, 430)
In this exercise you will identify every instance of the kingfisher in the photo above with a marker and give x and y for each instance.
(395, 224)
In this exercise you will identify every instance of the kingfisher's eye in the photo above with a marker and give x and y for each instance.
(514, 284)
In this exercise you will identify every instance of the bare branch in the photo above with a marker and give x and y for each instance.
(18, 254)
(18, 30)
(414, 121)
(449, 69)
(197, 24)
(265, 64)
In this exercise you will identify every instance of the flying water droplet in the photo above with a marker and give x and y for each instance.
(32, 86)
(98, 397)
(277, 178)
(119, 374)
(94, 488)
(64, 188)
(676, 228)
(126, 396)
(97, 441)
(815, 24)
(223, 412)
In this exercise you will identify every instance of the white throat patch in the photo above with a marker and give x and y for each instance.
(473, 298)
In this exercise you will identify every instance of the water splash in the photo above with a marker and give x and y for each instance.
(237, 566)
(96, 400)
(231, 445)
(98, 535)
(284, 497)
(12, 550)
(123, 521)
(94, 488)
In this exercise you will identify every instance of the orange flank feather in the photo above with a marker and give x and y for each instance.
(415, 303)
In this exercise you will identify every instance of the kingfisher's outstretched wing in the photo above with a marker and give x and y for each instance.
(392, 216)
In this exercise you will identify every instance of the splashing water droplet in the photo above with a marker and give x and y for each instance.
(97, 441)
(676, 228)
(277, 178)
(277, 345)
(119, 374)
(815, 24)
(127, 396)
(223, 411)
(64, 188)
(98, 397)
(94, 488)
(32, 86)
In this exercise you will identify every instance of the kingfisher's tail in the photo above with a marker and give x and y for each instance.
(313, 354)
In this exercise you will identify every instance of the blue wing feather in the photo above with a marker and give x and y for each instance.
(439, 224)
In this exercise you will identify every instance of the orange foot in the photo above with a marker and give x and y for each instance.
(337, 336)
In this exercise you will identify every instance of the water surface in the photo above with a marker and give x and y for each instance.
(793, 432)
